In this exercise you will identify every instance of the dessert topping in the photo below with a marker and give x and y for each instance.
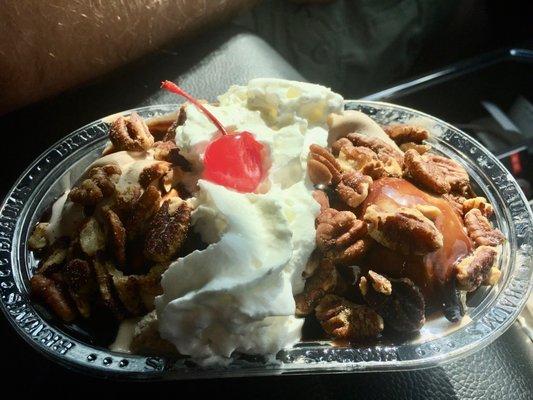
(130, 134)
(480, 229)
(353, 188)
(100, 183)
(343, 319)
(473, 270)
(322, 167)
(406, 133)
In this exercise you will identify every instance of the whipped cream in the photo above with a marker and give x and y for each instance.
(237, 294)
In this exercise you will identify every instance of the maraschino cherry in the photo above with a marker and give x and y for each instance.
(234, 159)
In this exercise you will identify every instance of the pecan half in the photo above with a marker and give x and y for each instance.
(456, 202)
(55, 259)
(38, 239)
(127, 289)
(341, 236)
(102, 270)
(384, 150)
(405, 230)
(92, 237)
(116, 235)
(80, 281)
(438, 174)
(153, 173)
(473, 270)
(343, 319)
(168, 230)
(401, 305)
(127, 199)
(406, 133)
(324, 280)
(480, 203)
(322, 167)
(143, 210)
(53, 296)
(361, 159)
(100, 183)
(480, 230)
(130, 134)
(419, 148)
(353, 188)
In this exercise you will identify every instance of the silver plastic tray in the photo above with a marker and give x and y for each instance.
(489, 314)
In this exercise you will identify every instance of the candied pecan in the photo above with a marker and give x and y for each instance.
(384, 150)
(100, 183)
(102, 270)
(38, 239)
(55, 259)
(343, 319)
(116, 235)
(182, 117)
(405, 230)
(353, 188)
(322, 167)
(92, 237)
(456, 202)
(321, 198)
(402, 305)
(53, 296)
(130, 134)
(478, 202)
(480, 230)
(150, 285)
(143, 210)
(325, 280)
(419, 148)
(169, 152)
(127, 289)
(153, 173)
(406, 133)
(362, 159)
(341, 236)
(168, 230)
(80, 281)
(127, 198)
(471, 271)
(436, 173)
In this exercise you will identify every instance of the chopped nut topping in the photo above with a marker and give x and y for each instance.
(127, 198)
(322, 167)
(102, 270)
(127, 288)
(480, 229)
(55, 259)
(99, 184)
(405, 230)
(324, 280)
(403, 309)
(92, 237)
(343, 319)
(473, 270)
(38, 239)
(130, 134)
(168, 230)
(438, 174)
(406, 133)
(353, 188)
(419, 148)
(116, 235)
(51, 294)
(341, 236)
(493, 277)
(147, 340)
(480, 203)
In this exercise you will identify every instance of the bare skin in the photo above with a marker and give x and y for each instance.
(50, 46)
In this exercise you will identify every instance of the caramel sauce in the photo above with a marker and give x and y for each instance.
(433, 272)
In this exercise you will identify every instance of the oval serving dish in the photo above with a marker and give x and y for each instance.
(490, 311)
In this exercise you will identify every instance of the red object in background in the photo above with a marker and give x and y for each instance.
(516, 164)
(233, 160)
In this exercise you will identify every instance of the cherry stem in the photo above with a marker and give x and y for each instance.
(172, 87)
